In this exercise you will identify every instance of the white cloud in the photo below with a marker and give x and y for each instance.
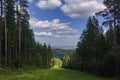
(59, 37)
(49, 4)
(30, 0)
(67, 32)
(82, 8)
(54, 25)
(54, 32)
(67, 37)
(49, 34)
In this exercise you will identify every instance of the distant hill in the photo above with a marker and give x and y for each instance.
(64, 47)
(60, 53)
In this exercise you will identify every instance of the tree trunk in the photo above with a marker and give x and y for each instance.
(1, 30)
(5, 26)
(115, 44)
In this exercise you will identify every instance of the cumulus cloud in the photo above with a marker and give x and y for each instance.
(45, 34)
(54, 25)
(82, 8)
(53, 32)
(70, 31)
(49, 4)
(30, 0)
(60, 37)
(67, 37)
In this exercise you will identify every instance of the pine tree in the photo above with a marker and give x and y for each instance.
(10, 18)
(111, 14)
(18, 46)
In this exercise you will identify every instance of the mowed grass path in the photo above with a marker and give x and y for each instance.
(47, 74)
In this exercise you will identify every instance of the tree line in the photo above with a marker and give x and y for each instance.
(18, 47)
(98, 51)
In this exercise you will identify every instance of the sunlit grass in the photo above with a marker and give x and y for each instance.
(54, 73)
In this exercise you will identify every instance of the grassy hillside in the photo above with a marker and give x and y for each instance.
(46, 74)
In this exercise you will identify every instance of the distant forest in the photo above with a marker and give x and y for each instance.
(60, 53)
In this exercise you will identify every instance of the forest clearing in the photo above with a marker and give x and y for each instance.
(80, 36)
(55, 73)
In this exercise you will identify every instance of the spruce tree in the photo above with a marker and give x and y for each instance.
(90, 47)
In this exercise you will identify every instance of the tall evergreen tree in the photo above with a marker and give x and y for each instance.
(90, 48)
(111, 14)
(18, 47)
(10, 18)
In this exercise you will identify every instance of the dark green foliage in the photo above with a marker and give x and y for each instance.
(44, 55)
(11, 32)
(95, 51)
(73, 61)
(112, 17)
(109, 65)
(38, 60)
(90, 47)
(22, 50)
(99, 53)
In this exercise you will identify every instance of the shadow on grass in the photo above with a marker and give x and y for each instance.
(75, 75)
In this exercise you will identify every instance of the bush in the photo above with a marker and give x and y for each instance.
(56, 62)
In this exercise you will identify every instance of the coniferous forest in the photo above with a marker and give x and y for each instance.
(18, 48)
(97, 51)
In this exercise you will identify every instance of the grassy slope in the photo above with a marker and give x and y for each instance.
(47, 74)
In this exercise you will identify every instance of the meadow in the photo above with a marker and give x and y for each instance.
(55, 73)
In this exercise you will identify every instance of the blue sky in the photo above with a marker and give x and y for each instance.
(60, 22)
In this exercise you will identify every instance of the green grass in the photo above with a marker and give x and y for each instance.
(46, 74)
